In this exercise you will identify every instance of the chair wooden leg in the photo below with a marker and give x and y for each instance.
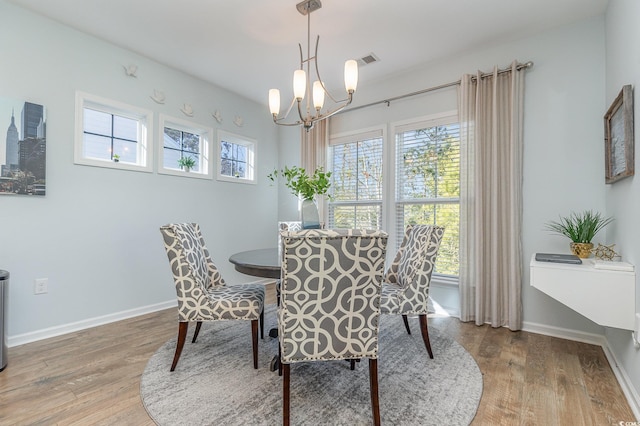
(373, 384)
(195, 334)
(406, 324)
(182, 335)
(262, 324)
(254, 340)
(285, 394)
(425, 334)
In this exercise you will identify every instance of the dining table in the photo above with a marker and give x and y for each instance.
(263, 263)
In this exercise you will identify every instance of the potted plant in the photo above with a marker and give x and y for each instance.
(306, 188)
(186, 163)
(116, 158)
(580, 228)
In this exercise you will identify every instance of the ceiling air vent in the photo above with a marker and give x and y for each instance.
(368, 59)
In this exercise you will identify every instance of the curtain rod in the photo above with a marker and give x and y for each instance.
(388, 101)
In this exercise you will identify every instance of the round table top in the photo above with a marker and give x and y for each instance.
(258, 263)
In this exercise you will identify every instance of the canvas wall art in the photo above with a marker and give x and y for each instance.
(23, 149)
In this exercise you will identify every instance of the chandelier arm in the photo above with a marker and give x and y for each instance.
(335, 111)
(301, 57)
(293, 101)
(318, 74)
(304, 120)
(277, 121)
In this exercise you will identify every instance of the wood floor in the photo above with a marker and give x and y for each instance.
(93, 376)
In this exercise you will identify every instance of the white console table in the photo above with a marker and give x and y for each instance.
(607, 297)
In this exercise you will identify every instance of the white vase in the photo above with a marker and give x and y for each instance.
(309, 215)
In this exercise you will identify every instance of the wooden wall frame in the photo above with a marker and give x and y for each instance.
(618, 137)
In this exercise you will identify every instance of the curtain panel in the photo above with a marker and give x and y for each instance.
(491, 117)
(313, 154)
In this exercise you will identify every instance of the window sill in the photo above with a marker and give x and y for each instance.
(120, 165)
(182, 173)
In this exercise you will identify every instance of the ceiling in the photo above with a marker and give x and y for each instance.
(250, 46)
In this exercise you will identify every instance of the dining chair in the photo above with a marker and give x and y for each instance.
(330, 301)
(406, 283)
(202, 293)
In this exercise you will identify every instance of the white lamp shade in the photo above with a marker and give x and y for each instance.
(318, 95)
(274, 101)
(350, 75)
(299, 84)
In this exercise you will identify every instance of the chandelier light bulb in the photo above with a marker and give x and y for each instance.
(274, 101)
(350, 75)
(318, 95)
(299, 84)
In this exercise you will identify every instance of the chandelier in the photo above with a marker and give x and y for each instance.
(312, 112)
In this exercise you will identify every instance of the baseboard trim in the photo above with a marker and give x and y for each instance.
(564, 333)
(595, 339)
(46, 333)
(624, 380)
(21, 339)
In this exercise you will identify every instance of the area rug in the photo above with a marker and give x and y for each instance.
(215, 383)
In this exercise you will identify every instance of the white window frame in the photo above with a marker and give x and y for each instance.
(251, 144)
(144, 145)
(205, 169)
(440, 119)
(351, 137)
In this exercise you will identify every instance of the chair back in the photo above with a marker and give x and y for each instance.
(330, 294)
(193, 270)
(413, 265)
(291, 226)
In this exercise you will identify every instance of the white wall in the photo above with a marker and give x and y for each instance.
(95, 234)
(623, 197)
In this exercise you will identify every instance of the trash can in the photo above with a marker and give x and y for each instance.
(4, 295)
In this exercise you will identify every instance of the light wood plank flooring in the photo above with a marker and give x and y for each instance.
(93, 376)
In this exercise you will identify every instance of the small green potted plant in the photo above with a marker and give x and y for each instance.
(186, 163)
(306, 187)
(303, 185)
(580, 228)
(116, 158)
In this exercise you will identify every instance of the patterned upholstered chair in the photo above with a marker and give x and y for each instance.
(202, 293)
(291, 226)
(406, 284)
(331, 286)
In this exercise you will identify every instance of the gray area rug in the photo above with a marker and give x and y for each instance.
(215, 383)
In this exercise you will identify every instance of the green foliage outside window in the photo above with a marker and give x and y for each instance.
(429, 183)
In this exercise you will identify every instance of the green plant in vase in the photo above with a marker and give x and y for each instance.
(580, 228)
(186, 163)
(306, 187)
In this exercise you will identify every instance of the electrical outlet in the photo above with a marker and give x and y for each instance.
(41, 286)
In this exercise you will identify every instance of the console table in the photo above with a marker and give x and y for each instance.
(605, 296)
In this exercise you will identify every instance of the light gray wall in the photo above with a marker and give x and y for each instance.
(563, 154)
(623, 197)
(95, 234)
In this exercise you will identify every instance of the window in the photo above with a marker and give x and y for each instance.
(421, 183)
(182, 140)
(236, 158)
(428, 183)
(112, 134)
(356, 181)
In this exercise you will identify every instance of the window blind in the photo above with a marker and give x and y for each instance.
(356, 182)
(428, 185)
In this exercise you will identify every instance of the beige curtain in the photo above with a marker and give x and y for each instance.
(313, 154)
(490, 109)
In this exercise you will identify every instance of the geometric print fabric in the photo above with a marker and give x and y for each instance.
(330, 294)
